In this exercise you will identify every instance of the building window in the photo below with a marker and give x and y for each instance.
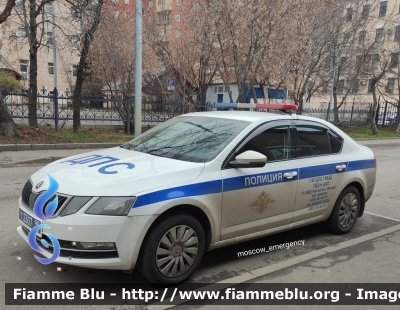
(178, 17)
(397, 33)
(379, 35)
(74, 41)
(382, 8)
(358, 62)
(19, 5)
(390, 86)
(366, 63)
(179, 3)
(177, 33)
(355, 85)
(126, 2)
(161, 2)
(150, 3)
(375, 61)
(349, 15)
(369, 86)
(21, 34)
(116, 14)
(346, 37)
(161, 32)
(151, 19)
(194, 5)
(328, 63)
(23, 65)
(343, 62)
(49, 36)
(340, 87)
(74, 70)
(365, 11)
(394, 60)
(51, 68)
(114, 1)
(73, 14)
(48, 8)
(361, 37)
(143, 12)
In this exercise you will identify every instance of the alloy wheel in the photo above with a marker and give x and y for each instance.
(348, 210)
(177, 251)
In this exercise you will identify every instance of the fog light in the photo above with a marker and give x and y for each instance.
(96, 245)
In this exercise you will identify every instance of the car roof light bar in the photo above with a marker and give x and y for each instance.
(285, 107)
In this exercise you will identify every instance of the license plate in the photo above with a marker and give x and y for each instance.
(28, 220)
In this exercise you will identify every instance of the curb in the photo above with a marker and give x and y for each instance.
(31, 162)
(61, 146)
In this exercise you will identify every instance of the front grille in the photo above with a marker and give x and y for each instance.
(68, 251)
(26, 192)
(29, 198)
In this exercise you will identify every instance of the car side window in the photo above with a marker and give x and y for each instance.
(315, 139)
(335, 141)
(274, 143)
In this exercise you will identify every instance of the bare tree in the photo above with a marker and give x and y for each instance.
(7, 125)
(32, 18)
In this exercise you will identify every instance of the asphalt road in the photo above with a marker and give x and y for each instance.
(224, 263)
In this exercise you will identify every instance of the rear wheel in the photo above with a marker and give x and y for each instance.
(345, 212)
(172, 250)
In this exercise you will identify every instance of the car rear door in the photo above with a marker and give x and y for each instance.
(257, 199)
(322, 167)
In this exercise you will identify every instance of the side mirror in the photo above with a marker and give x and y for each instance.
(249, 159)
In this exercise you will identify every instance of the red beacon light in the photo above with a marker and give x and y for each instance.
(284, 107)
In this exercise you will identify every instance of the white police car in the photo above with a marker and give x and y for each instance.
(198, 182)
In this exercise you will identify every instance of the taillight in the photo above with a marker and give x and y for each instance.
(375, 162)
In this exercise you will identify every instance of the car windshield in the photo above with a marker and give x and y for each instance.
(189, 138)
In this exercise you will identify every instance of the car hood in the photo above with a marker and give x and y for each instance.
(114, 172)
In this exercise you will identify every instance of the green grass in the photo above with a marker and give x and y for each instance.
(47, 135)
(92, 135)
(363, 132)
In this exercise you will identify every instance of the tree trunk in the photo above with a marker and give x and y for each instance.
(33, 47)
(375, 105)
(80, 77)
(7, 10)
(7, 125)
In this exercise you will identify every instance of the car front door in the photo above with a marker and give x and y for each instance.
(258, 199)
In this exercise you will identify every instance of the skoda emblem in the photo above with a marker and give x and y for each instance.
(39, 184)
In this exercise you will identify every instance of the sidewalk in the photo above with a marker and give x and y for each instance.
(33, 154)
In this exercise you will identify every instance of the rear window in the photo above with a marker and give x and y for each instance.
(188, 138)
(316, 139)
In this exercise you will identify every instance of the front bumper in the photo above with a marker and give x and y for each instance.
(127, 232)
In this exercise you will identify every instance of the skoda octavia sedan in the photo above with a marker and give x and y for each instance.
(195, 183)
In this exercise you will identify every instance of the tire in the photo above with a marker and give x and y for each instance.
(169, 259)
(345, 212)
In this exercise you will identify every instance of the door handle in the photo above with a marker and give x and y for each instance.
(290, 175)
(340, 167)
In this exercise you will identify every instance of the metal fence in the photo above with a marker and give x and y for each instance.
(94, 108)
(103, 108)
(385, 114)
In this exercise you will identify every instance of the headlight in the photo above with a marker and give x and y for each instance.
(112, 206)
(75, 205)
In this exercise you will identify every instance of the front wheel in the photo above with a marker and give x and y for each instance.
(172, 250)
(345, 212)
